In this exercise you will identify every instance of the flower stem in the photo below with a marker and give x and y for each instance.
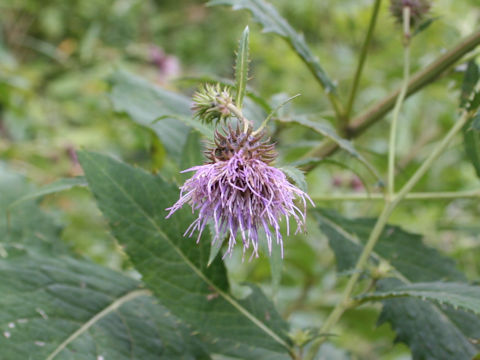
(398, 105)
(239, 115)
(361, 60)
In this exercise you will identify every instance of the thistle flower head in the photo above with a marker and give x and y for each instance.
(241, 193)
(418, 9)
(211, 103)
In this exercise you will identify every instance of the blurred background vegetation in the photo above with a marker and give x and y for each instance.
(56, 57)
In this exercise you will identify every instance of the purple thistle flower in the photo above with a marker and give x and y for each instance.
(241, 192)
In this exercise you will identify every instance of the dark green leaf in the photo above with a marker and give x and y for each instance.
(444, 331)
(424, 25)
(145, 103)
(175, 268)
(265, 14)
(241, 69)
(68, 309)
(432, 331)
(192, 154)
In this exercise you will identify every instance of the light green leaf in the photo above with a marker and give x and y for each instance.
(151, 106)
(296, 175)
(324, 129)
(471, 139)
(55, 187)
(241, 69)
(457, 295)
(175, 268)
(265, 14)
(61, 308)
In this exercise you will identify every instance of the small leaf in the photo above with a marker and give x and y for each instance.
(471, 140)
(266, 14)
(241, 69)
(424, 25)
(296, 175)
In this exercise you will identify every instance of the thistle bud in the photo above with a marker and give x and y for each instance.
(211, 103)
(418, 9)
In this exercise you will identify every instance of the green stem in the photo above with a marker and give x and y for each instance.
(361, 60)
(390, 205)
(469, 194)
(418, 81)
(398, 105)
(239, 115)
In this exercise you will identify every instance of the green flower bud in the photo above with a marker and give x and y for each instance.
(211, 103)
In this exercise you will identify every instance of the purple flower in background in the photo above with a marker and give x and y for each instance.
(241, 192)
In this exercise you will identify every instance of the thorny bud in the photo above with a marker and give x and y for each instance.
(211, 103)
(418, 9)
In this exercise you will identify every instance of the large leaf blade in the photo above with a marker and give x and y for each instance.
(175, 268)
(64, 308)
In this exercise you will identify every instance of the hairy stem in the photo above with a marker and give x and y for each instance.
(398, 105)
(361, 60)
(239, 115)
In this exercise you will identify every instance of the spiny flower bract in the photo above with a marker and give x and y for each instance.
(241, 192)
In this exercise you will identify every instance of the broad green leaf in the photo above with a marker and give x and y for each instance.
(175, 268)
(458, 295)
(445, 331)
(56, 186)
(324, 129)
(431, 331)
(145, 103)
(266, 14)
(61, 308)
(241, 69)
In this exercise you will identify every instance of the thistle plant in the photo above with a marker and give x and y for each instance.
(237, 188)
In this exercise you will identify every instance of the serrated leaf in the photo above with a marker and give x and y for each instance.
(175, 268)
(444, 331)
(145, 103)
(55, 187)
(296, 175)
(61, 308)
(324, 129)
(431, 331)
(241, 69)
(266, 14)
(457, 295)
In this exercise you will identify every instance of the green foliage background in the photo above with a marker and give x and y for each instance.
(60, 91)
